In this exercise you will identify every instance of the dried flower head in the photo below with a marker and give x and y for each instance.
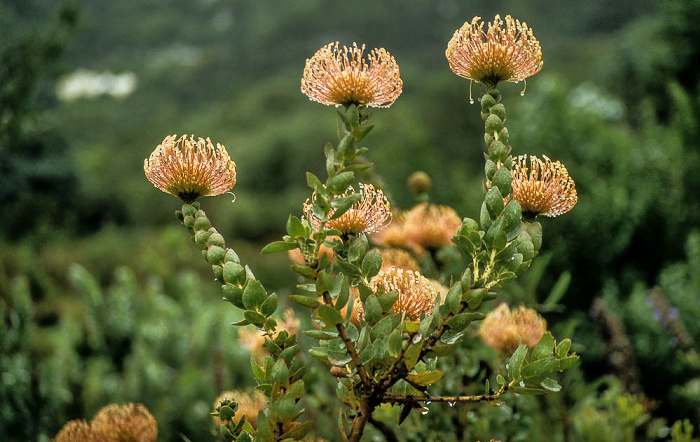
(124, 423)
(254, 340)
(189, 169)
(542, 187)
(335, 76)
(488, 57)
(504, 329)
(370, 214)
(416, 292)
(249, 404)
(75, 431)
(400, 258)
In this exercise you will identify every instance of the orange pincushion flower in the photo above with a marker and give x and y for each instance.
(424, 226)
(416, 292)
(488, 57)
(395, 257)
(335, 76)
(113, 423)
(370, 214)
(75, 431)
(542, 187)
(189, 169)
(504, 329)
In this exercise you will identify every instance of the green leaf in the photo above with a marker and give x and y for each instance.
(305, 271)
(349, 269)
(344, 292)
(453, 298)
(528, 391)
(323, 283)
(346, 147)
(496, 236)
(329, 315)
(254, 317)
(234, 273)
(357, 248)
(233, 294)
(339, 358)
(226, 413)
(502, 180)
(278, 246)
(284, 409)
(516, 362)
(494, 202)
(544, 348)
(475, 297)
(373, 310)
(257, 371)
(340, 183)
(306, 301)
(427, 378)
(539, 368)
(320, 353)
(313, 181)
(270, 305)
(395, 342)
(321, 335)
(297, 430)
(567, 362)
(280, 372)
(254, 294)
(563, 348)
(295, 228)
(371, 264)
(550, 384)
(460, 322)
(387, 300)
(410, 358)
(344, 204)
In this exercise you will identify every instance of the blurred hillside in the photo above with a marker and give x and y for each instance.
(89, 88)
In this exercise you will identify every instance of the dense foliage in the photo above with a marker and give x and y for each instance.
(88, 318)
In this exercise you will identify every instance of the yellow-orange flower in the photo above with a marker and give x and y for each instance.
(370, 214)
(335, 76)
(542, 187)
(113, 423)
(504, 329)
(424, 226)
(189, 169)
(416, 292)
(75, 431)
(498, 54)
(395, 257)
(249, 405)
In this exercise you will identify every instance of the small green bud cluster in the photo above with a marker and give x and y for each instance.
(280, 375)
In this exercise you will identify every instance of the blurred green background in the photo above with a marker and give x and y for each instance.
(104, 298)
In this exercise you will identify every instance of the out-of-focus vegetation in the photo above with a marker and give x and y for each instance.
(104, 300)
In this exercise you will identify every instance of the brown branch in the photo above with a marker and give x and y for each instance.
(413, 399)
(350, 347)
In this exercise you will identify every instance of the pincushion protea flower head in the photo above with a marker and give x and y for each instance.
(488, 57)
(370, 214)
(249, 404)
(416, 292)
(542, 187)
(504, 329)
(335, 76)
(425, 226)
(118, 423)
(189, 169)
